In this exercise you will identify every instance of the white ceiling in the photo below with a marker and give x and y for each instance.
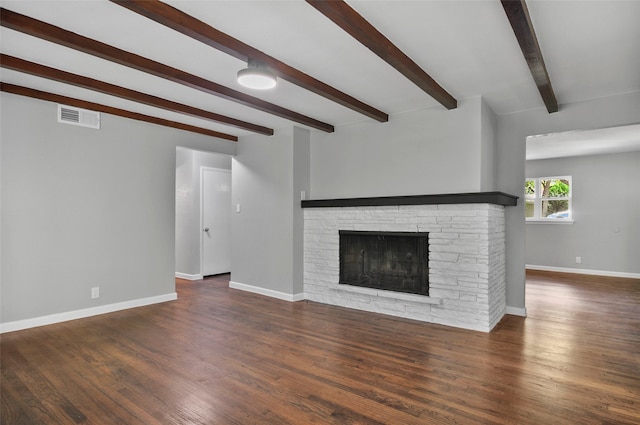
(584, 142)
(591, 49)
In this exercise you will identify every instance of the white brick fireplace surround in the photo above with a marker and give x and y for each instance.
(466, 255)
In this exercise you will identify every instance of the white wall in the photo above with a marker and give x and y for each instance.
(511, 135)
(606, 210)
(188, 163)
(84, 208)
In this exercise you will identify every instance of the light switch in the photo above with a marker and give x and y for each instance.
(237, 208)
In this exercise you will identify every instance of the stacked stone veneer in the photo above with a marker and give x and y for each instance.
(466, 261)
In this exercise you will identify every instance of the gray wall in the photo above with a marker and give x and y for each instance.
(84, 208)
(606, 210)
(488, 148)
(420, 152)
(188, 163)
(513, 130)
(301, 182)
(438, 151)
(267, 233)
(185, 201)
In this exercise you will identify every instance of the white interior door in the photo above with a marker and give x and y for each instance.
(215, 223)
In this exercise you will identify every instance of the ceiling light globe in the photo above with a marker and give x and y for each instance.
(257, 78)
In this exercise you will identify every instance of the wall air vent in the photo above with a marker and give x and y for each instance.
(77, 116)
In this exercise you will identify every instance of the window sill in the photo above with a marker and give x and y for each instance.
(549, 221)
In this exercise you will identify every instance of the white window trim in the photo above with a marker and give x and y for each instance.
(537, 204)
(549, 221)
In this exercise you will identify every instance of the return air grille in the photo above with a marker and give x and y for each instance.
(77, 116)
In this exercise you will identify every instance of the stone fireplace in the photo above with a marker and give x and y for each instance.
(465, 272)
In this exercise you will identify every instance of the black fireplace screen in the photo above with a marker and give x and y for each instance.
(394, 261)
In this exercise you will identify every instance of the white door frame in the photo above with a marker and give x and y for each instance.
(204, 168)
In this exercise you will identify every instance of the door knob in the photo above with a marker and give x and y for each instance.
(206, 229)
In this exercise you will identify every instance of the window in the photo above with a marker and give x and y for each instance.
(548, 199)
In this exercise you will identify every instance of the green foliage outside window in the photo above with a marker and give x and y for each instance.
(530, 187)
(548, 198)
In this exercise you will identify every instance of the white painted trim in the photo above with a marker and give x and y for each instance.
(549, 221)
(516, 311)
(189, 276)
(268, 292)
(583, 271)
(86, 312)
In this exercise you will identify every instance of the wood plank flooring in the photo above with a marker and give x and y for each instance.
(222, 356)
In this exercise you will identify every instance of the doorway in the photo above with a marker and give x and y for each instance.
(189, 229)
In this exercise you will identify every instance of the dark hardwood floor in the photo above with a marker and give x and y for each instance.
(222, 356)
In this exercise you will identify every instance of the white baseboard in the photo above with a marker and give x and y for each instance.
(86, 312)
(189, 276)
(268, 292)
(516, 311)
(583, 271)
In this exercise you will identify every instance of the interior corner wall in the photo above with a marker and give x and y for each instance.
(427, 151)
(511, 136)
(606, 213)
(188, 163)
(489, 123)
(85, 208)
(262, 232)
(268, 174)
(301, 183)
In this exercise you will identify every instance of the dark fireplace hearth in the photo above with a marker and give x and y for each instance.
(393, 261)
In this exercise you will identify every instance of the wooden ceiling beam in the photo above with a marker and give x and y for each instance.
(198, 30)
(518, 15)
(21, 65)
(78, 103)
(359, 28)
(54, 34)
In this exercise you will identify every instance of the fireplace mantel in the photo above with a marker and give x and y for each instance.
(496, 198)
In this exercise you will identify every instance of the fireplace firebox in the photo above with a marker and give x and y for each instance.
(393, 261)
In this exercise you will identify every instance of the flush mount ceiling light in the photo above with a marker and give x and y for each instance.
(257, 76)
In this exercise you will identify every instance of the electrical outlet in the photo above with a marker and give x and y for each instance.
(237, 208)
(578, 260)
(95, 292)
